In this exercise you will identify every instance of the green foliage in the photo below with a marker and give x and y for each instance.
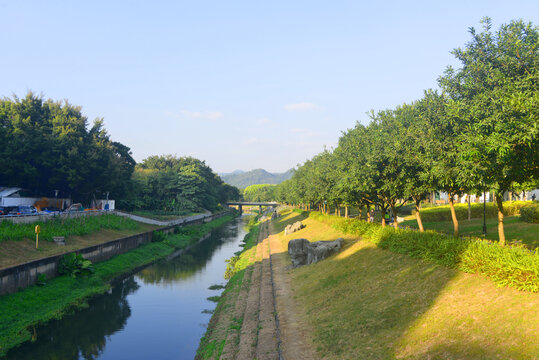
(158, 236)
(530, 213)
(48, 146)
(74, 265)
(65, 227)
(442, 213)
(176, 186)
(259, 193)
(34, 306)
(513, 265)
(480, 133)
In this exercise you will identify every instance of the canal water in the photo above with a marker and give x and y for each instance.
(159, 313)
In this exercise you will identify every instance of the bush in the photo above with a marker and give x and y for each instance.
(443, 213)
(512, 265)
(530, 213)
(74, 265)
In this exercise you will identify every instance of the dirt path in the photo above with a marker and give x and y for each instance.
(261, 322)
(294, 332)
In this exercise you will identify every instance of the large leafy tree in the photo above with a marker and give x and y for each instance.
(495, 94)
(47, 146)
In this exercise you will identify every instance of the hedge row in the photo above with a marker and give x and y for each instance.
(530, 213)
(443, 213)
(511, 265)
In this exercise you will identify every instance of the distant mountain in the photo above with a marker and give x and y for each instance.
(235, 172)
(242, 179)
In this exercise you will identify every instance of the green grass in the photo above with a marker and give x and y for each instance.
(65, 227)
(511, 265)
(515, 229)
(443, 213)
(380, 304)
(36, 305)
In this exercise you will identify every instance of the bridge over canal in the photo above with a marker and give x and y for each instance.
(241, 204)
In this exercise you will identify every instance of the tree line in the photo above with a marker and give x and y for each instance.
(49, 149)
(478, 132)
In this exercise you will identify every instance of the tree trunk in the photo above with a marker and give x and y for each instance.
(501, 233)
(418, 216)
(395, 222)
(454, 216)
(346, 211)
(336, 210)
(383, 217)
(469, 208)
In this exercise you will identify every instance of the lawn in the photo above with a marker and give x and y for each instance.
(515, 229)
(370, 303)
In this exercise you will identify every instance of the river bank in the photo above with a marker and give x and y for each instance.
(36, 305)
(367, 302)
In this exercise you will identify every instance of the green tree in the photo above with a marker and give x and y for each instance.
(495, 94)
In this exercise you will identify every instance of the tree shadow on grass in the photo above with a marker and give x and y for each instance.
(280, 223)
(369, 303)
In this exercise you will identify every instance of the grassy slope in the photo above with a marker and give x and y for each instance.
(212, 343)
(515, 229)
(378, 305)
(37, 305)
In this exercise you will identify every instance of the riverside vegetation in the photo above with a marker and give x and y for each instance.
(37, 305)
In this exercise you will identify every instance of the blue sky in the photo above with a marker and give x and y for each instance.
(239, 84)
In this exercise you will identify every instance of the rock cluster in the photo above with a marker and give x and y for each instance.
(303, 252)
(292, 228)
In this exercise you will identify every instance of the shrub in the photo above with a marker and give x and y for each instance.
(512, 265)
(443, 213)
(74, 264)
(158, 236)
(530, 213)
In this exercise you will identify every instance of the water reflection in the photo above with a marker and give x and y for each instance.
(191, 261)
(84, 334)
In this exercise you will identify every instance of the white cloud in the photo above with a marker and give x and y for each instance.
(204, 115)
(304, 106)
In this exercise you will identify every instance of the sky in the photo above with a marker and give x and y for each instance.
(238, 84)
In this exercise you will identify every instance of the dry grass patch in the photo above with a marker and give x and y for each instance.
(370, 303)
(17, 252)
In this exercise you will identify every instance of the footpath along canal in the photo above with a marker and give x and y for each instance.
(161, 312)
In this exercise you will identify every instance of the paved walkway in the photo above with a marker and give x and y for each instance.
(146, 220)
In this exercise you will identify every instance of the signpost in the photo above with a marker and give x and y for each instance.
(37, 229)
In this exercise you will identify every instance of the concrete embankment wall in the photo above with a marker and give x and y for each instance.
(23, 275)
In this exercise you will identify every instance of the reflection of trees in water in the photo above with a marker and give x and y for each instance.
(191, 261)
(83, 334)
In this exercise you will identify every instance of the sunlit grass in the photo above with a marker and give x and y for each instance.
(370, 303)
(515, 229)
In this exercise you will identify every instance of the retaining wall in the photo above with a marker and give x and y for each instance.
(23, 275)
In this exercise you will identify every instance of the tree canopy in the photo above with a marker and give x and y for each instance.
(47, 146)
(480, 131)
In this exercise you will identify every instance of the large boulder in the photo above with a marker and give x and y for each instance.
(303, 252)
(297, 249)
(292, 228)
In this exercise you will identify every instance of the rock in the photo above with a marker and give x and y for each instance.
(297, 249)
(59, 240)
(292, 228)
(303, 252)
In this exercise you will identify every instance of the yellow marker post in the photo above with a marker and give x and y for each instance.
(38, 229)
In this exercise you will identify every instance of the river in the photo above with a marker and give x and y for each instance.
(160, 312)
